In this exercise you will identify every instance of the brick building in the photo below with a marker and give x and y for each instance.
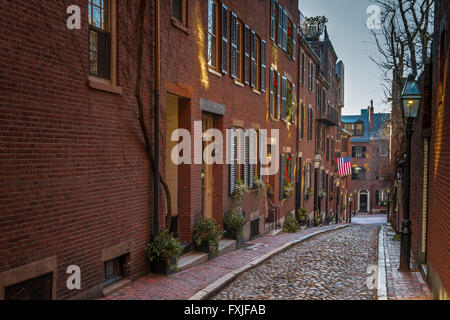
(76, 182)
(429, 200)
(371, 174)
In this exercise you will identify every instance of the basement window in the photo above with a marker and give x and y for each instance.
(38, 288)
(115, 270)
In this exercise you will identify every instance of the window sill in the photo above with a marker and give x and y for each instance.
(181, 26)
(256, 91)
(104, 85)
(238, 83)
(211, 70)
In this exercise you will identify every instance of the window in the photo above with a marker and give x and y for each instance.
(349, 127)
(100, 39)
(274, 93)
(358, 152)
(115, 270)
(302, 68)
(302, 121)
(359, 126)
(286, 172)
(258, 63)
(381, 198)
(237, 37)
(358, 173)
(212, 34)
(39, 288)
(179, 11)
(344, 144)
(310, 123)
(383, 150)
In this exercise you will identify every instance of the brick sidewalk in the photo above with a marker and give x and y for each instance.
(185, 284)
(403, 285)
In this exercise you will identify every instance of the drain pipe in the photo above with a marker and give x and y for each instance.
(156, 124)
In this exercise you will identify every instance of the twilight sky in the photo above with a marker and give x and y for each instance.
(353, 44)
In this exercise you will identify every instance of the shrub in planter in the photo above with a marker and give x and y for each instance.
(163, 253)
(317, 221)
(290, 224)
(233, 224)
(309, 193)
(260, 186)
(302, 217)
(206, 237)
(269, 191)
(288, 189)
(240, 190)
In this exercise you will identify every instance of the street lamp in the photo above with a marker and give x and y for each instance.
(317, 161)
(351, 203)
(338, 183)
(355, 193)
(411, 99)
(388, 191)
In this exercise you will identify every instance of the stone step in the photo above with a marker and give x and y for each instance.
(191, 259)
(226, 245)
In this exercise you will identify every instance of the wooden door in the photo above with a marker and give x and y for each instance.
(207, 171)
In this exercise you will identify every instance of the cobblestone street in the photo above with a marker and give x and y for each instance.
(329, 266)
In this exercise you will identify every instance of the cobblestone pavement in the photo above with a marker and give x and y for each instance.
(402, 285)
(185, 284)
(329, 266)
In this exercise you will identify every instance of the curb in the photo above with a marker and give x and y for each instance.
(381, 280)
(217, 285)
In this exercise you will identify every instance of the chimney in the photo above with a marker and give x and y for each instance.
(371, 115)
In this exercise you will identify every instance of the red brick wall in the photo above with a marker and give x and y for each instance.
(439, 200)
(74, 176)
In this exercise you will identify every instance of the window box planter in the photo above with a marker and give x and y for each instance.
(162, 267)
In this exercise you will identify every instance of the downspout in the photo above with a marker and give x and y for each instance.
(297, 207)
(156, 123)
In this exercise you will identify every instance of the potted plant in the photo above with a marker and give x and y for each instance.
(233, 224)
(240, 190)
(323, 194)
(269, 190)
(330, 219)
(317, 221)
(260, 186)
(163, 253)
(288, 189)
(309, 192)
(302, 217)
(290, 224)
(206, 237)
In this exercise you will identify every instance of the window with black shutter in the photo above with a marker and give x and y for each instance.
(234, 45)
(272, 20)
(99, 39)
(283, 97)
(246, 54)
(271, 90)
(263, 66)
(280, 25)
(212, 34)
(224, 56)
(253, 59)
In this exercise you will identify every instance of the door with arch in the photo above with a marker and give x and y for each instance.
(363, 201)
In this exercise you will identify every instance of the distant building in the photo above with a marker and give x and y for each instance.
(369, 146)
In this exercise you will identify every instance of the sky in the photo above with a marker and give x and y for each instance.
(354, 44)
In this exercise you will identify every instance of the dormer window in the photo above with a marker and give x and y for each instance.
(359, 128)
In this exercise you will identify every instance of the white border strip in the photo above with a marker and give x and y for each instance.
(381, 281)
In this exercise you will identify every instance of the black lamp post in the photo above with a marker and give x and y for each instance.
(388, 191)
(411, 98)
(351, 203)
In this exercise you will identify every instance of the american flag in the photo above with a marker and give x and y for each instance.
(344, 166)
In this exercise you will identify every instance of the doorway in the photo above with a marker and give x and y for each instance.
(207, 170)
(171, 169)
(363, 201)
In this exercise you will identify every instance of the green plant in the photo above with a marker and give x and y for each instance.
(269, 190)
(343, 206)
(290, 224)
(233, 223)
(208, 231)
(240, 190)
(318, 220)
(164, 248)
(309, 192)
(302, 217)
(260, 186)
(288, 189)
(396, 237)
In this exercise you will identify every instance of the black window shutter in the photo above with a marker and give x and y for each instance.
(263, 66)
(285, 23)
(234, 44)
(272, 20)
(353, 152)
(270, 92)
(292, 175)
(293, 103)
(294, 42)
(224, 39)
(282, 174)
(283, 98)
(278, 98)
(253, 58)
(280, 25)
(247, 54)
(233, 157)
(377, 200)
